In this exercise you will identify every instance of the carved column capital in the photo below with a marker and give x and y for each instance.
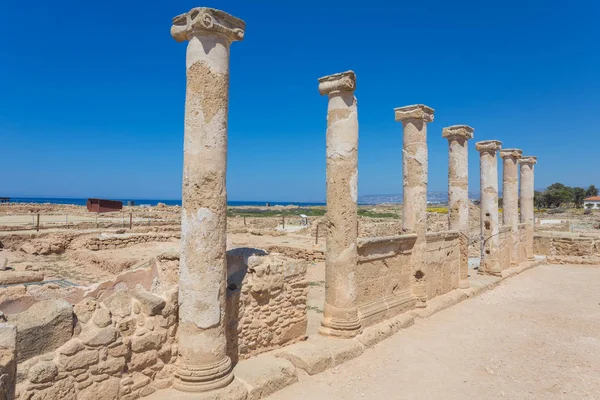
(341, 82)
(209, 20)
(488, 146)
(417, 111)
(530, 160)
(511, 153)
(458, 132)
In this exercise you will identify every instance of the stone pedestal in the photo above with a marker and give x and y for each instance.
(340, 314)
(458, 192)
(510, 195)
(527, 191)
(490, 240)
(202, 364)
(414, 164)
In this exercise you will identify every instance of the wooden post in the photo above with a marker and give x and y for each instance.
(244, 220)
(97, 220)
(38, 223)
(317, 236)
(283, 220)
(130, 220)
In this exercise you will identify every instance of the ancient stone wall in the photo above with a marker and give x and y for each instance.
(443, 262)
(8, 361)
(384, 277)
(266, 302)
(504, 250)
(122, 347)
(106, 241)
(565, 247)
(310, 255)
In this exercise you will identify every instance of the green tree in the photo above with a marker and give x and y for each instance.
(578, 196)
(591, 191)
(558, 194)
(539, 199)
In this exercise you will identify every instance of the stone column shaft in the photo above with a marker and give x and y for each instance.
(510, 195)
(203, 363)
(527, 192)
(340, 314)
(458, 192)
(414, 208)
(490, 240)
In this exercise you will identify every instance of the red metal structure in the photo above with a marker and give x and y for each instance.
(102, 205)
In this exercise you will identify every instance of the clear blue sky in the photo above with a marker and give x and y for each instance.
(92, 93)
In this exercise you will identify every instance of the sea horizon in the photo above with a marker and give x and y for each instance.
(434, 197)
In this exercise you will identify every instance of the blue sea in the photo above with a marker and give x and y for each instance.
(432, 198)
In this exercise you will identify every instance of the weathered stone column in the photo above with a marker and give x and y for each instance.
(490, 241)
(458, 192)
(527, 192)
(340, 314)
(510, 195)
(414, 208)
(202, 363)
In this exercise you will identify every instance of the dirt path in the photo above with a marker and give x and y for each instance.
(536, 336)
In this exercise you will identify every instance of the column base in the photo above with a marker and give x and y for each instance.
(464, 284)
(340, 322)
(203, 377)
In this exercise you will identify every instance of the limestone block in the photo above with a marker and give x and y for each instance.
(80, 360)
(265, 374)
(62, 390)
(96, 337)
(119, 304)
(150, 341)
(307, 356)
(42, 372)
(16, 277)
(151, 304)
(85, 309)
(44, 327)
(71, 347)
(140, 361)
(102, 318)
(106, 390)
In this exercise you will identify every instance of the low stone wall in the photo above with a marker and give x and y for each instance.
(384, 277)
(106, 241)
(8, 361)
(120, 348)
(443, 263)
(566, 247)
(506, 241)
(266, 302)
(314, 255)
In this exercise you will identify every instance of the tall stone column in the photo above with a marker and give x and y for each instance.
(527, 192)
(458, 192)
(202, 363)
(414, 164)
(510, 196)
(340, 314)
(490, 241)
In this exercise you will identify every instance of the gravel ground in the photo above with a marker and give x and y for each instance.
(536, 336)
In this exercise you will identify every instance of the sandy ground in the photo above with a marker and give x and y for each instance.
(536, 336)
